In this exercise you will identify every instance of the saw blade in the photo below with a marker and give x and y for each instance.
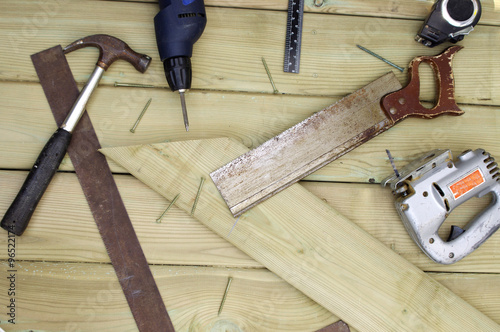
(306, 147)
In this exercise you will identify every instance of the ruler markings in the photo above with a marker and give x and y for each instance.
(293, 36)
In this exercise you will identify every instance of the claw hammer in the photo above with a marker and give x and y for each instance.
(18, 215)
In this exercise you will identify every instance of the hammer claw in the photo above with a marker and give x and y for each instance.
(110, 50)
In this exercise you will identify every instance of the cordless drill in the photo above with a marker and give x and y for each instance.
(178, 25)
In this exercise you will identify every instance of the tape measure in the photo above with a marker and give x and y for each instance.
(293, 36)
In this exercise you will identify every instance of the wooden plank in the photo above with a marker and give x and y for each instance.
(182, 240)
(372, 208)
(26, 124)
(228, 56)
(479, 292)
(88, 297)
(307, 243)
(63, 214)
(305, 147)
(409, 9)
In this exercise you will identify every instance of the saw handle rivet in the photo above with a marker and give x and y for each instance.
(431, 240)
(425, 193)
(402, 101)
(451, 255)
(393, 110)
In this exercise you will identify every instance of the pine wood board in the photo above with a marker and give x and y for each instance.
(87, 297)
(63, 214)
(228, 56)
(409, 9)
(26, 124)
(181, 240)
(307, 243)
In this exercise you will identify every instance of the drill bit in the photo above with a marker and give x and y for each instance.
(184, 110)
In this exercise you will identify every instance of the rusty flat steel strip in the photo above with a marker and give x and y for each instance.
(103, 197)
(339, 326)
(306, 147)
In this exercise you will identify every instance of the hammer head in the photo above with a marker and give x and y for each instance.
(110, 50)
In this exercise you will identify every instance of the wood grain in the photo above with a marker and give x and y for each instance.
(87, 297)
(408, 9)
(26, 124)
(181, 240)
(304, 148)
(228, 56)
(232, 97)
(307, 243)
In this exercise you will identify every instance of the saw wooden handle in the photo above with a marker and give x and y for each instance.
(18, 215)
(406, 103)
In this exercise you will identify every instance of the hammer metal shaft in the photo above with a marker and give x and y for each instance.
(78, 108)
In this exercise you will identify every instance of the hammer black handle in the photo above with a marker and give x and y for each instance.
(18, 215)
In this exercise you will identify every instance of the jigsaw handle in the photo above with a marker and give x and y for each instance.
(477, 231)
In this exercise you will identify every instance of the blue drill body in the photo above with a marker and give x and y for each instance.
(178, 25)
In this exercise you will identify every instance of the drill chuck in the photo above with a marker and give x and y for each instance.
(178, 72)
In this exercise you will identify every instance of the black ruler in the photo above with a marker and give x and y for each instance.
(293, 36)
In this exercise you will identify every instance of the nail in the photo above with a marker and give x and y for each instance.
(379, 57)
(133, 85)
(197, 195)
(141, 115)
(269, 75)
(168, 208)
(225, 295)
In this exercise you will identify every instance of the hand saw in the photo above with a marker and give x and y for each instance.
(331, 133)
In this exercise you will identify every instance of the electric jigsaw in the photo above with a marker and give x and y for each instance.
(428, 189)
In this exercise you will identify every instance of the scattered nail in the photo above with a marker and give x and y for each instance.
(381, 58)
(140, 116)
(168, 208)
(197, 195)
(133, 85)
(269, 75)
(225, 295)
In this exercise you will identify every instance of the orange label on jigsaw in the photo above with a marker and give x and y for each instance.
(467, 183)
